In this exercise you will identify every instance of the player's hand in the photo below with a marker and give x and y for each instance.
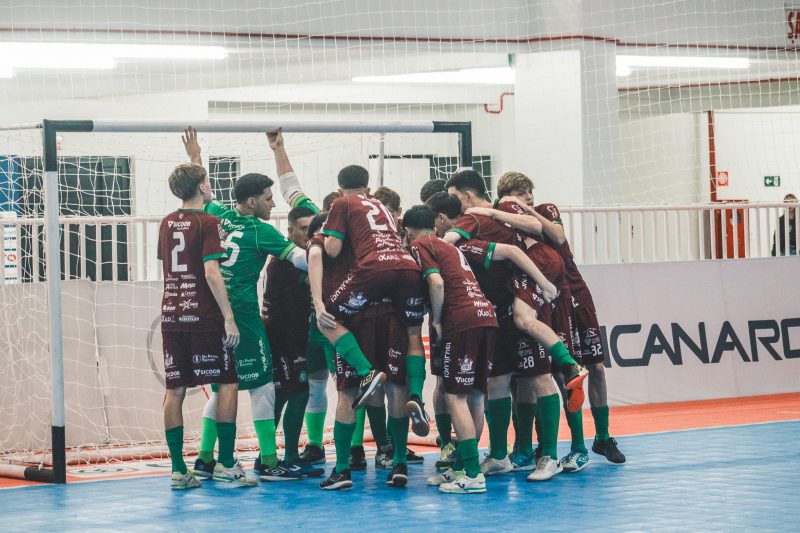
(231, 334)
(438, 329)
(549, 291)
(482, 211)
(190, 143)
(275, 139)
(324, 318)
(516, 201)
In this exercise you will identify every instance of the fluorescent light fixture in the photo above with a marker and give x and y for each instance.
(626, 64)
(22, 56)
(484, 76)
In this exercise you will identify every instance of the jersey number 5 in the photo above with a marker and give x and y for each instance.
(233, 247)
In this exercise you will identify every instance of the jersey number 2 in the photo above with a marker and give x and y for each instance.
(180, 245)
(375, 210)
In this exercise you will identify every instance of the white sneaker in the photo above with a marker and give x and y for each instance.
(465, 485)
(184, 481)
(546, 468)
(234, 474)
(492, 467)
(575, 461)
(447, 476)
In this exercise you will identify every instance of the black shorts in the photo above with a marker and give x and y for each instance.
(435, 350)
(362, 286)
(588, 332)
(289, 372)
(197, 358)
(518, 353)
(465, 359)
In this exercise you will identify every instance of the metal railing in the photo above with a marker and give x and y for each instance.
(124, 248)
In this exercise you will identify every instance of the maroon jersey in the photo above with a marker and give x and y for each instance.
(334, 270)
(186, 240)
(574, 278)
(365, 223)
(493, 277)
(465, 307)
(287, 302)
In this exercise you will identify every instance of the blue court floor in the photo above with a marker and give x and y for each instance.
(744, 478)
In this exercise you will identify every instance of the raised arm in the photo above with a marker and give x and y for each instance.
(191, 145)
(217, 286)
(526, 223)
(436, 291)
(289, 183)
(524, 263)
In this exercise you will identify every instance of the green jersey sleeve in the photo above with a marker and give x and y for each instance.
(305, 201)
(270, 241)
(217, 208)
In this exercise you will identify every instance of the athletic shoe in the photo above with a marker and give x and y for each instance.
(546, 468)
(465, 485)
(370, 384)
(184, 481)
(303, 468)
(398, 477)
(575, 461)
(280, 472)
(492, 467)
(357, 459)
(574, 375)
(420, 422)
(234, 474)
(203, 469)
(537, 452)
(337, 481)
(521, 462)
(313, 455)
(575, 399)
(413, 458)
(447, 456)
(447, 476)
(383, 458)
(609, 449)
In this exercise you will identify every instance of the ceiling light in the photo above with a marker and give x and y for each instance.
(625, 64)
(484, 76)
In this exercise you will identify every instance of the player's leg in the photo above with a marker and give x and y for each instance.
(376, 413)
(358, 459)
(522, 457)
(498, 397)
(444, 424)
(343, 428)
(317, 406)
(204, 464)
(578, 457)
(548, 411)
(397, 399)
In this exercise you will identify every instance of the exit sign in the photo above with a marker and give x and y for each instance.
(772, 181)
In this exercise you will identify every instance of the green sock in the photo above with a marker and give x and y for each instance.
(208, 438)
(538, 427)
(377, 422)
(549, 412)
(468, 454)
(342, 437)
(444, 425)
(560, 354)
(415, 370)
(525, 414)
(227, 443)
(265, 431)
(348, 349)
(399, 428)
(175, 445)
(515, 422)
(499, 416)
(600, 415)
(315, 427)
(358, 433)
(293, 424)
(575, 423)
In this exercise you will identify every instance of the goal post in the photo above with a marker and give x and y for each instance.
(55, 228)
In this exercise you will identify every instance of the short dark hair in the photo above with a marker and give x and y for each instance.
(444, 203)
(388, 198)
(316, 223)
(184, 180)
(353, 177)
(430, 188)
(468, 180)
(419, 217)
(299, 212)
(250, 185)
(327, 202)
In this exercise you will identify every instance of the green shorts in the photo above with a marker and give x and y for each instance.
(253, 356)
(319, 353)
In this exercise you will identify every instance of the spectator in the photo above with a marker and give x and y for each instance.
(779, 242)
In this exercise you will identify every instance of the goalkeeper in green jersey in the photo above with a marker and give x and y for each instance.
(250, 240)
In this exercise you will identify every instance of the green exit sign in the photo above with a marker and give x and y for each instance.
(772, 181)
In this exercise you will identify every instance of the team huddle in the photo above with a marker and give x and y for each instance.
(512, 328)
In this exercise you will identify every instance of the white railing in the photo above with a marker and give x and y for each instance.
(598, 235)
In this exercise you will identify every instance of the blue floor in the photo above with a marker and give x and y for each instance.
(725, 479)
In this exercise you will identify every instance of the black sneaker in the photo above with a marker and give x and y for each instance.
(370, 384)
(609, 449)
(280, 472)
(447, 456)
(313, 455)
(398, 477)
(383, 458)
(337, 481)
(203, 469)
(413, 458)
(357, 460)
(537, 452)
(574, 376)
(420, 423)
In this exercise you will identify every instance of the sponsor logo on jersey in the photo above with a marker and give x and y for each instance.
(168, 361)
(188, 304)
(485, 313)
(173, 374)
(388, 257)
(465, 380)
(168, 308)
(394, 369)
(167, 319)
(207, 372)
(394, 354)
(188, 294)
(480, 303)
(168, 294)
(414, 301)
(467, 366)
(188, 277)
(187, 286)
(189, 319)
(253, 375)
(203, 358)
(342, 286)
(171, 287)
(180, 224)
(356, 301)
